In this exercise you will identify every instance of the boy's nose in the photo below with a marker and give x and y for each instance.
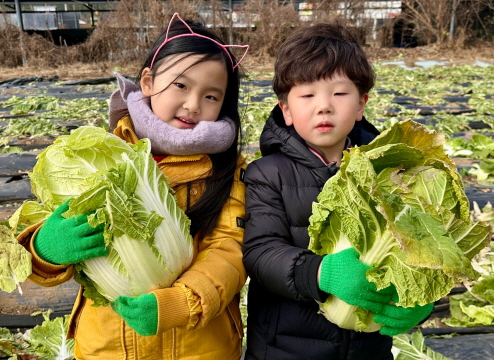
(324, 107)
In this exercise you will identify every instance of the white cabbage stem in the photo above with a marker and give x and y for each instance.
(339, 312)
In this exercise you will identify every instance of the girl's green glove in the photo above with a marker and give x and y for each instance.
(397, 319)
(344, 275)
(68, 241)
(140, 313)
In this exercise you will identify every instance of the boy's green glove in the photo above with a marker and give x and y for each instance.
(140, 313)
(344, 275)
(68, 241)
(397, 319)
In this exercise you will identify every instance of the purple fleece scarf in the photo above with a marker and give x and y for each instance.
(207, 137)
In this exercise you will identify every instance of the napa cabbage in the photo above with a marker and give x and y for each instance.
(120, 185)
(400, 202)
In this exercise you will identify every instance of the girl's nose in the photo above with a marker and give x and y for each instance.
(192, 104)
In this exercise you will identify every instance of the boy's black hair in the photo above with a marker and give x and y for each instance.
(317, 52)
(205, 212)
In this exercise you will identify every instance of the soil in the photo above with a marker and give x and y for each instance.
(450, 55)
(37, 140)
(5, 214)
(19, 309)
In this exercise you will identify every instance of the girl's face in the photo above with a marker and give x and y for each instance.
(191, 95)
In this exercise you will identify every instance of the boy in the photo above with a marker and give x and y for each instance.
(322, 79)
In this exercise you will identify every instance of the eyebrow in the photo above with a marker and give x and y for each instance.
(211, 88)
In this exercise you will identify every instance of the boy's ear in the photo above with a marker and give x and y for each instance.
(146, 82)
(361, 108)
(286, 112)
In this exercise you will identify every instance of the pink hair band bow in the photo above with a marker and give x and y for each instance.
(192, 33)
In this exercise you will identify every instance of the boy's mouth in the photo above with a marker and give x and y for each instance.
(324, 126)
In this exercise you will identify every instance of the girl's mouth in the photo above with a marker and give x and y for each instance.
(185, 122)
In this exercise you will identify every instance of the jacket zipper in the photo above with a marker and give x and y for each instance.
(344, 344)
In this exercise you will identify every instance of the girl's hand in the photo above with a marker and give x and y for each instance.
(140, 313)
(68, 241)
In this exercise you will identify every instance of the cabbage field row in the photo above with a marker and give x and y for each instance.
(457, 102)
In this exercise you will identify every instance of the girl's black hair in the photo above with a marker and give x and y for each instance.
(205, 212)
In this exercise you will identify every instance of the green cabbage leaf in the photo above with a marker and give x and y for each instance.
(400, 202)
(50, 339)
(412, 347)
(474, 307)
(15, 261)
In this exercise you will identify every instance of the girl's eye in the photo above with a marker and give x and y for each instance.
(180, 86)
(308, 96)
(211, 97)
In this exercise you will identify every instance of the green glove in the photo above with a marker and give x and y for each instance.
(140, 313)
(69, 241)
(397, 319)
(343, 275)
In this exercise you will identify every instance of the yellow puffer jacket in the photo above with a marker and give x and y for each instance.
(198, 316)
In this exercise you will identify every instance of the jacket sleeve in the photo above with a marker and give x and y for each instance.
(216, 274)
(44, 273)
(270, 257)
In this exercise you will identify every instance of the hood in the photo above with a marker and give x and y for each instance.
(278, 137)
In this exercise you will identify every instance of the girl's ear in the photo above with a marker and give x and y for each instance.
(146, 82)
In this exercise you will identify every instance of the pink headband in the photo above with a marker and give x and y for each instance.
(192, 33)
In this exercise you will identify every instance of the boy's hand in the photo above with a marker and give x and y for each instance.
(397, 319)
(68, 241)
(344, 275)
(140, 313)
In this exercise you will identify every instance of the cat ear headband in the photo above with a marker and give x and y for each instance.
(192, 33)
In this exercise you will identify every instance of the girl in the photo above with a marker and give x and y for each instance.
(187, 105)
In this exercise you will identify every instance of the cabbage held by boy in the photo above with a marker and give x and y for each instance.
(400, 202)
(118, 184)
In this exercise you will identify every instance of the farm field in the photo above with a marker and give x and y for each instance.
(454, 99)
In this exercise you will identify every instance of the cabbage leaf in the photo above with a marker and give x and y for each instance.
(15, 261)
(413, 347)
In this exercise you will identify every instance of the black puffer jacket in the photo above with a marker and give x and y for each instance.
(283, 320)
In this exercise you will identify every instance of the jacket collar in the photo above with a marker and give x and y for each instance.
(179, 168)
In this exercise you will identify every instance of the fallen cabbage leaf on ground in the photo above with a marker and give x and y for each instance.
(412, 347)
(46, 341)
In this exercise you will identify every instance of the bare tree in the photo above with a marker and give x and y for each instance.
(432, 21)
(267, 24)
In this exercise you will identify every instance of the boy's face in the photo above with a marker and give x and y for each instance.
(324, 112)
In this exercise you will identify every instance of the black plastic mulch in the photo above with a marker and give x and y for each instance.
(464, 347)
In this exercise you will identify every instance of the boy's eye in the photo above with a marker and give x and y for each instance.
(308, 96)
(180, 86)
(337, 94)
